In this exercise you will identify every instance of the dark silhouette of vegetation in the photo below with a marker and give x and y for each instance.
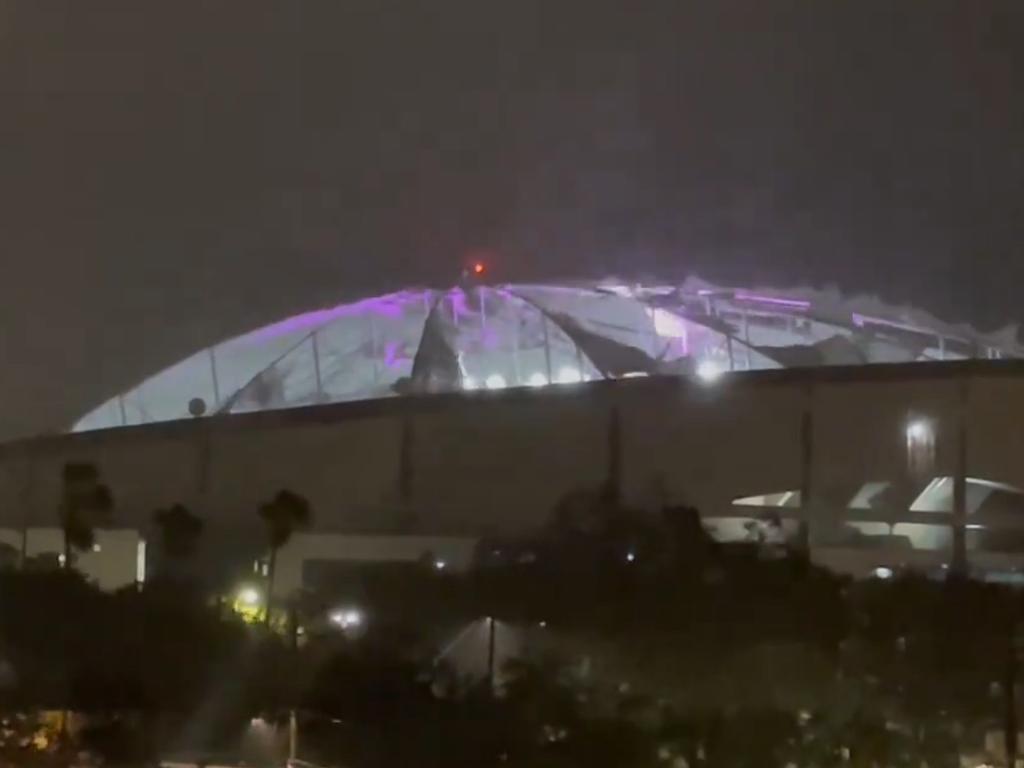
(627, 639)
(180, 532)
(282, 516)
(85, 504)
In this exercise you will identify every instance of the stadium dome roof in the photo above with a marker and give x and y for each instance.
(494, 336)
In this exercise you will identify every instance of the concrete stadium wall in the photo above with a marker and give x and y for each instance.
(496, 462)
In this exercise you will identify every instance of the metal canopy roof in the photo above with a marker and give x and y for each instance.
(494, 336)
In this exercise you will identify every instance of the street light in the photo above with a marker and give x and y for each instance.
(919, 431)
(347, 618)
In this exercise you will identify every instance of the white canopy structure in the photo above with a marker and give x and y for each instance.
(481, 335)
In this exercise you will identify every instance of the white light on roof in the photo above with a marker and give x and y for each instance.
(667, 324)
(709, 370)
(568, 375)
(495, 381)
(537, 379)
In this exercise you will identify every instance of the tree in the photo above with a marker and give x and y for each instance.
(282, 516)
(85, 503)
(179, 533)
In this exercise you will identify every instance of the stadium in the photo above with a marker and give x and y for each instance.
(483, 336)
(880, 436)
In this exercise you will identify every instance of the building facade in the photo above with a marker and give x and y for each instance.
(882, 466)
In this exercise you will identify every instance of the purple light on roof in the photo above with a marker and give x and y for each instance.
(460, 307)
(391, 305)
(791, 303)
(489, 339)
(391, 359)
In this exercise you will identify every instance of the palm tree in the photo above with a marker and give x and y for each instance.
(282, 516)
(85, 503)
(179, 532)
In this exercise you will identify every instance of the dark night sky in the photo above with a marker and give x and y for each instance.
(172, 173)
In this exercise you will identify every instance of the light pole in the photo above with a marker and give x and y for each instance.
(491, 631)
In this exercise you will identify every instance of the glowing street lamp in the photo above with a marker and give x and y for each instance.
(919, 431)
(248, 604)
(347, 618)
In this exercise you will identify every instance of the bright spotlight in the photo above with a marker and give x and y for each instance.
(882, 572)
(630, 557)
(440, 565)
(346, 618)
(920, 435)
(495, 381)
(568, 375)
(468, 382)
(479, 268)
(537, 380)
(709, 371)
(248, 596)
(919, 431)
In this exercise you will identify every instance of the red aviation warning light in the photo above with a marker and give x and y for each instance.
(476, 265)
